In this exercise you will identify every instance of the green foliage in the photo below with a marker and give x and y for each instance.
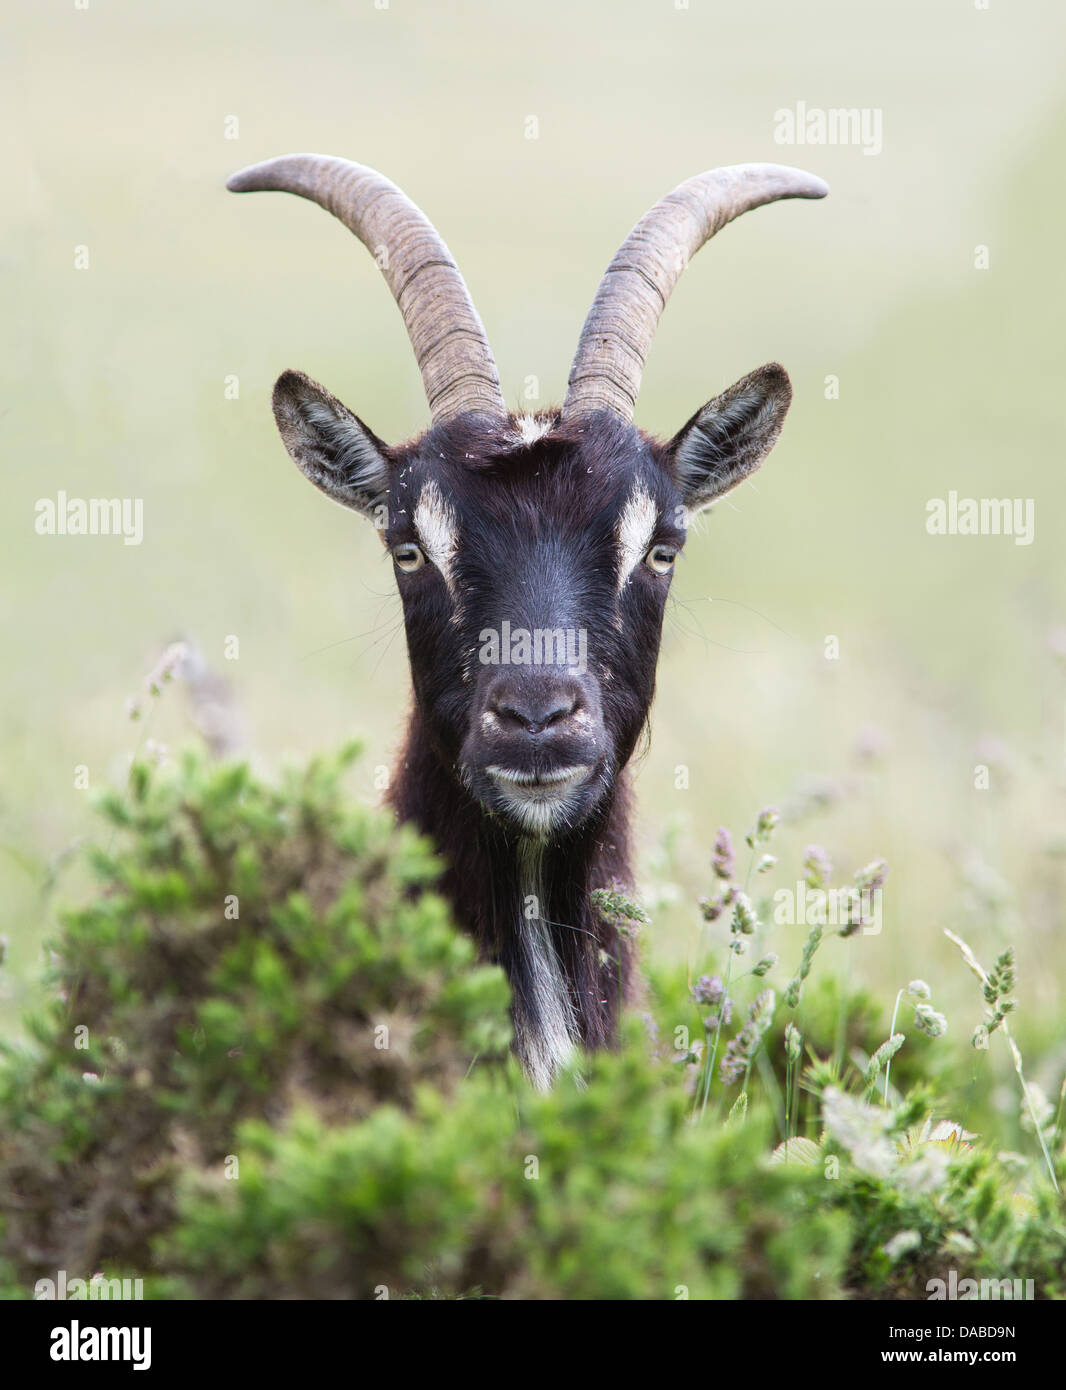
(924, 1200)
(600, 1191)
(251, 949)
(276, 1070)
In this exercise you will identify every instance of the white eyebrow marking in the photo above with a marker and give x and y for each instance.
(437, 529)
(636, 526)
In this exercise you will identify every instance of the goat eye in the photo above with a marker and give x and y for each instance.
(660, 559)
(409, 557)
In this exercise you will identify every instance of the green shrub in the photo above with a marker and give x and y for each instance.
(251, 949)
(276, 1070)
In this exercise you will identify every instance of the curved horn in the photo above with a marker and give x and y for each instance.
(453, 353)
(614, 343)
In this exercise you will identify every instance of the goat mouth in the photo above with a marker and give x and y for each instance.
(538, 786)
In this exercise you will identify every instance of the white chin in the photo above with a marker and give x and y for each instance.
(540, 805)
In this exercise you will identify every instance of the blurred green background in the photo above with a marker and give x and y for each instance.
(951, 650)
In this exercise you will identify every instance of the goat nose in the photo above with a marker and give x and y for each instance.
(531, 711)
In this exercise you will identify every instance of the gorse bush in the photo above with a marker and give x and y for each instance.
(275, 1069)
(251, 949)
(603, 1191)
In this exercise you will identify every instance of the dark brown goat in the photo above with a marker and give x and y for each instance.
(533, 556)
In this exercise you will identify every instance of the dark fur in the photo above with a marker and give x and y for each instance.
(482, 883)
(539, 546)
(568, 487)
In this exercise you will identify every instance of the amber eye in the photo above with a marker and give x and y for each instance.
(660, 559)
(408, 557)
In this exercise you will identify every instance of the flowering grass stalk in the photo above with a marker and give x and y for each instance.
(793, 1053)
(744, 922)
(995, 987)
(626, 916)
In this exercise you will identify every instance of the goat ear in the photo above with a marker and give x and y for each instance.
(332, 447)
(730, 436)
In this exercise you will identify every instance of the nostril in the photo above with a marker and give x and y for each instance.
(562, 709)
(533, 715)
(508, 711)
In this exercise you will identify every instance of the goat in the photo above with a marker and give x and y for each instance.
(533, 555)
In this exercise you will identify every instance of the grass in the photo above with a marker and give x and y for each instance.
(856, 909)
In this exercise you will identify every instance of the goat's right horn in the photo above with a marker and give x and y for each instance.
(617, 335)
(452, 350)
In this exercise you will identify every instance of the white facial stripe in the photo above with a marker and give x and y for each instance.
(636, 526)
(437, 529)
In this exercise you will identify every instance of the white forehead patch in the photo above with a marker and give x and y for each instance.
(529, 429)
(437, 529)
(636, 526)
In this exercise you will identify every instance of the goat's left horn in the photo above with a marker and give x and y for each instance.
(617, 335)
(450, 344)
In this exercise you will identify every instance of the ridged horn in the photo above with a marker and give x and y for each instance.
(616, 338)
(452, 351)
